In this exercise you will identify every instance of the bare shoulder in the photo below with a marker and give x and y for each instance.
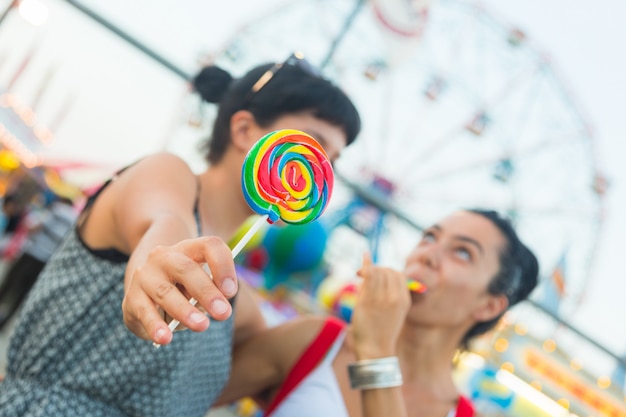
(164, 157)
(158, 186)
(126, 192)
(160, 164)
(158, 173)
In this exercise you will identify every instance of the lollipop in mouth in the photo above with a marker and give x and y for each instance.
(416, 286)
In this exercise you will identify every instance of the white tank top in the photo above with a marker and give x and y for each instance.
(318, 394)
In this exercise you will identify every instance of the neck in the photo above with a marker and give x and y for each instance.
(222, 205)
(426, 356)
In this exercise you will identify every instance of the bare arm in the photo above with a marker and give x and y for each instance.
(151, 211)
(376, 324)
(248, 317)
(263, 361)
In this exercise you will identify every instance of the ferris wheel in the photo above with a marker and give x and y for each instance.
(459, 110)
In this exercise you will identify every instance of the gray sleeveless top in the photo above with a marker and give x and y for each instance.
(72, 355)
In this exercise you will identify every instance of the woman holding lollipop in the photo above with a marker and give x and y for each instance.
(136, 258)
(395, 358)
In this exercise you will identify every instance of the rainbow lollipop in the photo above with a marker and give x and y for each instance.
(287, 175)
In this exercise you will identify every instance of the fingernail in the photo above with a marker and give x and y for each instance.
(219, 306)
(228, 286)
(160, 333)
(197, 318)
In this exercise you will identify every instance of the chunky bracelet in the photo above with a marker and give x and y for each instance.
(375, 373)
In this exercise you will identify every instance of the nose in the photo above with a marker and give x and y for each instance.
(427, 255)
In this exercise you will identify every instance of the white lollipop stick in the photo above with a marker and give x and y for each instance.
(235, 251)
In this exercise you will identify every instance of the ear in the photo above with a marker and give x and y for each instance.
(243, 130)
(493, 306)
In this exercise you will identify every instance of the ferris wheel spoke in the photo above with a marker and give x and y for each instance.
(491, 161)
(518, 127)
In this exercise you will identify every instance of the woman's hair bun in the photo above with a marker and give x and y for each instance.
(211, 83)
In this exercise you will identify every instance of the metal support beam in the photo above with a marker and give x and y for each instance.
(6, 11)
(377, 201)
(572, 328)
(344, 29)
(128, 38)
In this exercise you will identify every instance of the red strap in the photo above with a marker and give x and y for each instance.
(464, 408)
(309, 360)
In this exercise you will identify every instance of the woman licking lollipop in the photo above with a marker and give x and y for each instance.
(395, 358)
(136, 258)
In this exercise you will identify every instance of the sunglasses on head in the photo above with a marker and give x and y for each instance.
(296, 59)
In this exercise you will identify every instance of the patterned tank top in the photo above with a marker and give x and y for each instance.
(72, 355)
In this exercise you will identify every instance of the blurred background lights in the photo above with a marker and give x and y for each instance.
(604, 382)
(501, 345)
(549, 346)
(508, 366)
(575, 364)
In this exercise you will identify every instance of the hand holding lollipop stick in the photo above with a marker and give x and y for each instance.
(286, 175)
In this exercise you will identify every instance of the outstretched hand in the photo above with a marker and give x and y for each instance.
(380, 311)
(169, 277)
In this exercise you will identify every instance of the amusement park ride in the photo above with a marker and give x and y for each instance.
(459, 110)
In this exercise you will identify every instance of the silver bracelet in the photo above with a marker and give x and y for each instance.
(375, 373)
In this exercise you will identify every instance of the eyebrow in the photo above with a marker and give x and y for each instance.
(315, 135)
(324, 143)
(463, 238)
(472, 242)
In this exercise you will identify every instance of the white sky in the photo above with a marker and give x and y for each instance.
(584, 42)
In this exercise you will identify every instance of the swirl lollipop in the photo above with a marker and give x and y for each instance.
(287, 176)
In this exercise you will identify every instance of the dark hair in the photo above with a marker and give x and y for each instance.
(8, 199)
(518, 272)
(291, 90)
